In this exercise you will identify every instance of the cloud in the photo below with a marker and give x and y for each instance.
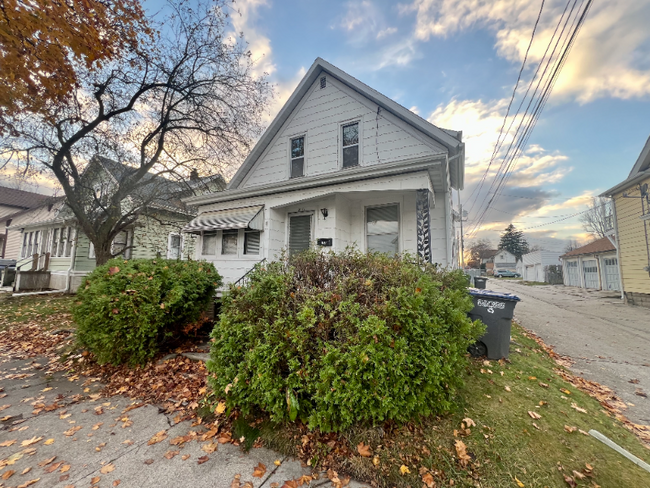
(386, 32)
(609, 59)
(245, 21)
(363, 22)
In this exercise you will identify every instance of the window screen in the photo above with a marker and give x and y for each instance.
(229, 242)
(297, 157)
(209, 246)
(382, 226)
(252, 242)
(351, 145)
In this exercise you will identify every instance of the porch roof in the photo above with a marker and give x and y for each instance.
(230, 218)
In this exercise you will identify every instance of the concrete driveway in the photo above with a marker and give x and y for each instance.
(608, 341)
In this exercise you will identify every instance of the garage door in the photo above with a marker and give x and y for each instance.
(611, 274)
(573, 277)
(591, 273)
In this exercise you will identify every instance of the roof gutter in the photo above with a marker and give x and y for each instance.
(346, 176)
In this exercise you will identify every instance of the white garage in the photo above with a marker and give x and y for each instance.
(594, 266)
(537, 264)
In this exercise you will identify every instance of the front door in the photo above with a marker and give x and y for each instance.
(299, 233)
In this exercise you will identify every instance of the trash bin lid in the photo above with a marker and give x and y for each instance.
(475, 292)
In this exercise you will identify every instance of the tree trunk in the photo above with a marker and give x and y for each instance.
(102, 254)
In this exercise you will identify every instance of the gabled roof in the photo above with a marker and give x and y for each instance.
(12, 197)
(598, 246)
(640, 171)
(452, 140)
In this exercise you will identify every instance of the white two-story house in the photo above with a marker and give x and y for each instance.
(340, 165)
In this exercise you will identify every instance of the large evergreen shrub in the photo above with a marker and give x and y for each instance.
(127, 309)
(338, 339)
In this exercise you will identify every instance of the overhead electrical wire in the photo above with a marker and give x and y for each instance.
(518, 142)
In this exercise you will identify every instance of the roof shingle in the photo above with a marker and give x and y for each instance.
(598, 246)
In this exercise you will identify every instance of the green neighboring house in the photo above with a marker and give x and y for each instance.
(52, 253)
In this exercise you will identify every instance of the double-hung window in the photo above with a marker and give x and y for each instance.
(55, 243)
(382, 229)
(229, 241)
(297, 157)
(351, 145)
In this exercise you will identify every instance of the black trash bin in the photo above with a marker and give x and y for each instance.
(479, 282)
(495, 310)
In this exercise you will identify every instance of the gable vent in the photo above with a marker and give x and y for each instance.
(323, 82)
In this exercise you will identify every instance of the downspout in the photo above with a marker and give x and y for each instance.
(618, 251)
(73, 255)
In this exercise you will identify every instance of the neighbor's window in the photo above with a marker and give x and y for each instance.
(229, 242)
(23, 253)
(55, 243)
(70, 234)
(351, 145)
(174, 248)
(382, 227)
(297, 157)
(62, 241)
(252, 242)
(91, 251)
(209, 244)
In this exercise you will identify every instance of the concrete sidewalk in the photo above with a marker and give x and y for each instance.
(93, 442)
(608, 341)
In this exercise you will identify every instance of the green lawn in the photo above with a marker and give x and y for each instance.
(43, 308)
(504, 446)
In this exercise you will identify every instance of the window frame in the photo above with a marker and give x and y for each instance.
(342, 126)
(399, 224)
(292, 138)
(170, 236)
(214, 233)
(259, 245)
(234, 232)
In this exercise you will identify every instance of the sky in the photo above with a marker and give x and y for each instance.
(455, 63)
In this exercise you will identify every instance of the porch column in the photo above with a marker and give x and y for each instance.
(423, 224)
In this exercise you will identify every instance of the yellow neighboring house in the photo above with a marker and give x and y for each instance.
(631, 200)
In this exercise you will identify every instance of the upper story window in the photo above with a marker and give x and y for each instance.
(297, 157)
(351, 145)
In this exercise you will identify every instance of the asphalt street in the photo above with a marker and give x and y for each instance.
(608, 341)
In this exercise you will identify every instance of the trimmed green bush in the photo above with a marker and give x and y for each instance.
(127, 309)
(337, 339)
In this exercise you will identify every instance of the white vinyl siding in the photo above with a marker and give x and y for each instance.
(383, 137)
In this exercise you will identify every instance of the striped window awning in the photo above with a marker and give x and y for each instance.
(231, 218)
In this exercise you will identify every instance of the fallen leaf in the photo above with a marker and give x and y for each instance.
(210, 447)
(53, 467)
(31, 441)
(404, 470)
(148, 461)
(64, 477)
(159, 437)
(641, 393)
(259, 470)
(116, 482)
(185, 457)
(8, 474)
(171, 454)
(95, 480)
(519, 483)
(235, 482)
(508, 388)
(578, 475)
(468, 423)
(364, 450)
(8, 443)
(534, 415)
(577, 408)
(375, 460)
(221, 408)
(203, 459)
(428, 480)
(570, 429)
(565, 391)
(28, 483)
(97, 425)
(45, 462)
(461, 452)
(65, 468)
(107, 469)
(570, 481)
(128, 442)
(26, 470)
(72, 430)
(277, 462)
(49, 442)
(543, 385)
(224, 438)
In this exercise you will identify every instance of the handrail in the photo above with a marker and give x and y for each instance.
(242, 281)
(28, 260)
